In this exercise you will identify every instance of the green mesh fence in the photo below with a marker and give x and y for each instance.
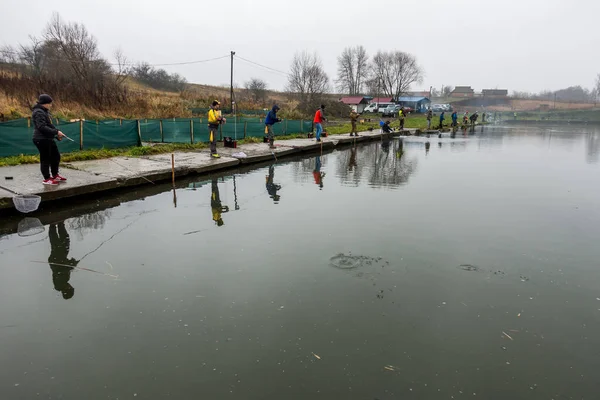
(16, 136)
(16, 140)
(97, 136)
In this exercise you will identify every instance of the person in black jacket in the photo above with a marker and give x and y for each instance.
(44, 134)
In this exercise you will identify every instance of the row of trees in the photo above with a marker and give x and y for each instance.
(66, 62)
(387, 73)
(576, 94)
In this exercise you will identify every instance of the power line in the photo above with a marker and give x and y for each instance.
(263, 66)
(122, 64)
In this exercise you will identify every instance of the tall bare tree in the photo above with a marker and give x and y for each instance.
(393, 72)
(352, 70)
(596, 90)
(307, 80)
(257, 88)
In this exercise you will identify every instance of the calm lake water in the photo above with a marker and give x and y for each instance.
(466, 268)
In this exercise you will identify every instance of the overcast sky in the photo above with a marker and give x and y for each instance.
(527, 45)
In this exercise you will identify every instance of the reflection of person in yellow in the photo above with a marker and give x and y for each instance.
(272, 187)
(60, 263)
(215, 204)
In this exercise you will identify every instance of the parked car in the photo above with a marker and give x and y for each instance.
(377, 107)
(438, 108)
(390, 111)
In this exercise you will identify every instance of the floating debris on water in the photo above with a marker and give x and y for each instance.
(507, 335)
(469, 267)
(349, 261)
(316, 356)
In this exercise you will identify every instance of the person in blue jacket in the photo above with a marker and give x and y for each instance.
(271, 120)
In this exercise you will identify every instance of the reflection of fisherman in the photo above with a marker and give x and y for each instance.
(61, 265)
(272, 188)
(215, 204)
(385, 144)
(427, 147)
(352, 163)
(317, 174)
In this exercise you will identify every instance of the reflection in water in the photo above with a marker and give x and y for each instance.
(427, 147)
(378, 164)
(272, 187)
(317, 174)
(59, 260)
(593, 148)
(88, 222)
(215, 204)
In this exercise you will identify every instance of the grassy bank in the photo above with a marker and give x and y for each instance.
(336, 128)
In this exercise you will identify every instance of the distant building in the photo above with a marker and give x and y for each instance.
(418, 104)
(462, 91)
(494, 93)
(381, 100)
(418, 94)
(357, 103)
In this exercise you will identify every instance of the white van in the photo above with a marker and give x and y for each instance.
(377, 107)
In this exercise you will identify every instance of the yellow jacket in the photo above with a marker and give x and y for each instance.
(214, 116)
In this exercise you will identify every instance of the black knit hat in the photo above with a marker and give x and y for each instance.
(44, 99)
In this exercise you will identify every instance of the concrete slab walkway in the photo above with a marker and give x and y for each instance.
(86, 177)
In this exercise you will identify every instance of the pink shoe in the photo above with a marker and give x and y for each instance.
(59, 178)
(50, 182)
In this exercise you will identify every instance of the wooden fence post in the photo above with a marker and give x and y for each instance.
(29, 122)
(301, 126)
(139, 129)
(245, 128)
(80, 134)
(286, 130)
(191, 131)
(121, 121)
(162, 136)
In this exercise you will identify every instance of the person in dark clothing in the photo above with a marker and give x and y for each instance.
(386, 127)
(442, 118)
(272, 187)
(474, 117)
(44, 133)
(215, 204)
(429, 116)
(59, 261)
(271, 120)
(454, 118)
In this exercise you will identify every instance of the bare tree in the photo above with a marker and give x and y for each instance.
(394, 72)
(447, 90)
(122, 70)
(257, 89)
(352, 70)
(307, 80)
(596, 90)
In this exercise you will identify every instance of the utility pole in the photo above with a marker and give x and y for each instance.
(231, 89)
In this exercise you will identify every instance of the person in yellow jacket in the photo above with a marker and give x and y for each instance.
(214, 120)
(401, 116)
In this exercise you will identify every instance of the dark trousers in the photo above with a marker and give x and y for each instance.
(49, 156)
(213, 131)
